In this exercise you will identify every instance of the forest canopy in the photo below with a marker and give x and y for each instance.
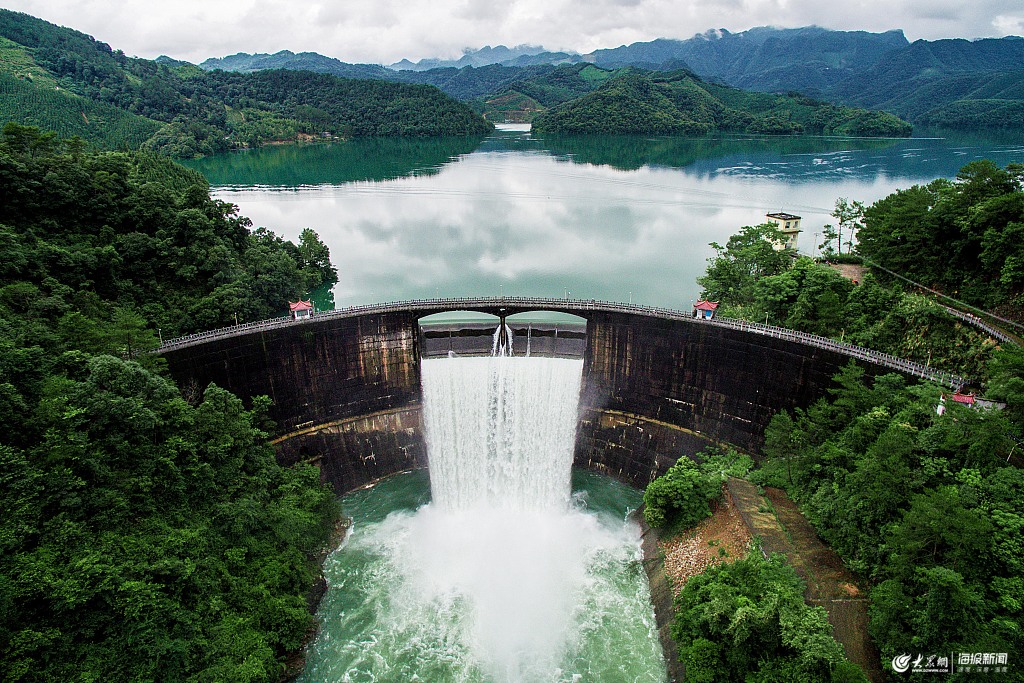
(145, 533)
(633, 101)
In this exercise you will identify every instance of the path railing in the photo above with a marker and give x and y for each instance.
(980, 324)
(490, 304)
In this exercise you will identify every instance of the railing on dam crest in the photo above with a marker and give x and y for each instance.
(491, 304)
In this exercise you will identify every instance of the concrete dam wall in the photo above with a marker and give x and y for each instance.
(346, 388)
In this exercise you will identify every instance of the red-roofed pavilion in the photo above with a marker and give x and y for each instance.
(300, 309)
(705, 309)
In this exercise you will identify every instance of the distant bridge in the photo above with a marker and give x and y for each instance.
(510, 305)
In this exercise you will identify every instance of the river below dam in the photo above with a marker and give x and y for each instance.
(506, 566)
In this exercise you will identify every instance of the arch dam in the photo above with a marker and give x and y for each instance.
(657, 383)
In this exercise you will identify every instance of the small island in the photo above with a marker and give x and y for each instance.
(680, 103)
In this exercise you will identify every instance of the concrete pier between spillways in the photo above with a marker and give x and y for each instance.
(346, 387)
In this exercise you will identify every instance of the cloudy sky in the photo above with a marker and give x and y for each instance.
(384, 31)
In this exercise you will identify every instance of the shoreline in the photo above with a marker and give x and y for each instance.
(662, 598)
(295, 661)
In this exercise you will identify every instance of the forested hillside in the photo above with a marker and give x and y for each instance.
(65, 80)
(145, 533)
(927, 508)
(964, 237)
(303, 61)
(951, 83)
(961, 237)
(679, 103)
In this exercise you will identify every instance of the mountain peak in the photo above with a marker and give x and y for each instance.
(712, 34)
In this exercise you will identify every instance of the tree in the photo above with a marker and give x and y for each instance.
(315, 259)
(828, 235)
(849, 216)
(747, 622)
(748, 256)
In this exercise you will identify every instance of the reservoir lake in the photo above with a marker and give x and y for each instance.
(608, 218)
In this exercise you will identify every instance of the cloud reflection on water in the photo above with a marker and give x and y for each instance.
(527, 222)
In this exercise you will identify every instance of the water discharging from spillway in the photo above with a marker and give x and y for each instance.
(506, 575)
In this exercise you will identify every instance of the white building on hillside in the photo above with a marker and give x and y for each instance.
(789, 225)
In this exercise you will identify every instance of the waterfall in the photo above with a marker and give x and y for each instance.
(500, 431)
(502, 345)
(500, 437)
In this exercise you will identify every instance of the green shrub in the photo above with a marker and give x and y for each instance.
(681, 495)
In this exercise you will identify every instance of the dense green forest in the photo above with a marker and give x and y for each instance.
(743, 621)
(926, 506)
(544, 90)
(146, 533)
(680, 103)
(968, 85)
(461, 83)
(57, 77)
(747, 622)
(963, 237)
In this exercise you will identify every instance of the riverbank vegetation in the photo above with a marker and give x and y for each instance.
(920, 496)
(146, 532)
(741, 619)
(747, 621)
(926, 507)
(63, 80)
(962, 237)
(682, 496)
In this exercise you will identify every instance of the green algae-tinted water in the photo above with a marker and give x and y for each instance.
(397, 611)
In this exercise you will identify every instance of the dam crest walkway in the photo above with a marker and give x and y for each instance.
(509, 305)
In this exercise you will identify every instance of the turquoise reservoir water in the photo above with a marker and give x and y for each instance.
(615, 218)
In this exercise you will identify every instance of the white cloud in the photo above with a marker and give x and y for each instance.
(383, 31)
(1009, 25)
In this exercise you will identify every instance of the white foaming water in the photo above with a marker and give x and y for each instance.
(499, 533)
(502, 344)
(502, 578)
(500, 431)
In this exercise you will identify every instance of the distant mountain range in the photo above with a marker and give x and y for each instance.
(521, 55)
(303, 61)
(954, 83)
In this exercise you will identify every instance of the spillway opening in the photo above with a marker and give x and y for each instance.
(506, 575)
(536, 333)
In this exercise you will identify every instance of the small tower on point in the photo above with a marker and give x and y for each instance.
(789, 226)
